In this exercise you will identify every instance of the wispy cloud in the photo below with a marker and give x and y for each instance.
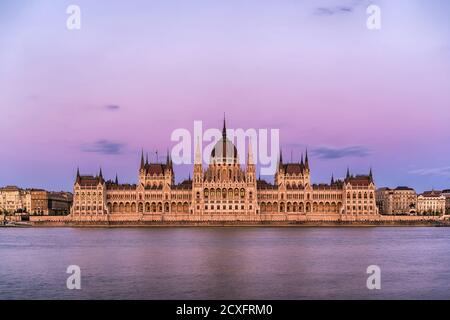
(112, 107)
(329, 11)
(104, 147)
(337, 153)
(440, 172)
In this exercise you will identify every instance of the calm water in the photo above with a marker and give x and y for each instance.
(225, 263)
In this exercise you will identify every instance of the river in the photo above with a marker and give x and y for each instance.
(225, 263)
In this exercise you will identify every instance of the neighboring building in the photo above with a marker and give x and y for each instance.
(14, 199)
(446, 194)
(34, 201)
(224, 188)
(50, 203)
(431, 203)
(398, 201)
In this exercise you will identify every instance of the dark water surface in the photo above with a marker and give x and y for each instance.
(225, 263)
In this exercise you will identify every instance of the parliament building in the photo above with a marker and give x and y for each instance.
(224, 190)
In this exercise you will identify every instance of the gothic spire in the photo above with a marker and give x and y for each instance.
(78, 175)
(146, 159)
(301, 162)
(100, 174)
(198, 154)
(224, 130)
(370, 174)
(348, 173)
(332, 178)
(250, 152)
(142, 159)
(306, 160)
(117, 179)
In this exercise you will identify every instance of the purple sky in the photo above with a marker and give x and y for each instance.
(137, 70)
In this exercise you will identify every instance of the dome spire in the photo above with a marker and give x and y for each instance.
(224, 130)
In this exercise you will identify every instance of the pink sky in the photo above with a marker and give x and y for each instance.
(354, 97)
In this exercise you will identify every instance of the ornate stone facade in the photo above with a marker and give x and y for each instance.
(14, 200)
(431, 202)
(401, 200)
(224, 190)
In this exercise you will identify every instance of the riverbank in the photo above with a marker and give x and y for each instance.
(135, 224)
(266, 220)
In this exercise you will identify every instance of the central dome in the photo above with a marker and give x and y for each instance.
(224, 151)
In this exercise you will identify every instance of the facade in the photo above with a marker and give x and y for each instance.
(446, 194)
(431, 203)
(222, 190)
(14, 199)
(34, 201)
(398, 201)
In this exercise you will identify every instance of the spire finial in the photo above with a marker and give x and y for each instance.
(198, 154)
(306, 159)
(224, 130)
(370, 174)
(100, 174)
(348, 173)
(301, 162)
(78, 172)
(146, 159)
(250, 152)
(117, 179)
(332, 178)
(142, 159)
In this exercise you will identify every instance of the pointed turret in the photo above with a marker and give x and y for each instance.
(117, 180)
(224, 129)
(250, 152)
(167, 158)
(371, 175)
(332, 179)
(142, 159)
(306, 159)
(198, 153)
(146, 159)
(348, 173)
(301, 162)
(280, 160)
(78, 178)
(100, 176)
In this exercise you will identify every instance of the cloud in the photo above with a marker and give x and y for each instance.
(440, 172)
(104, 147)
(329, 11)
(337, 153)
(112, 107)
